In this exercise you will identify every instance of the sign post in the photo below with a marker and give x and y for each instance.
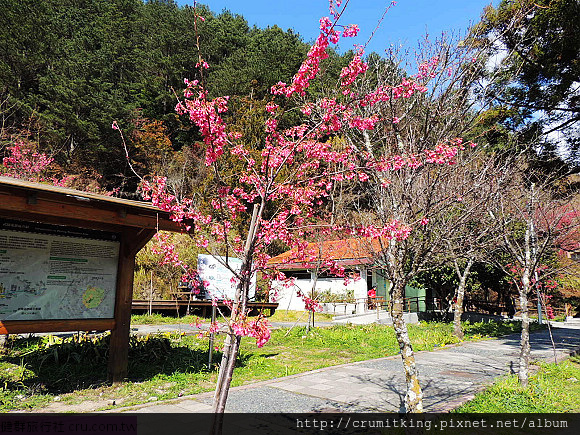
(67, 260)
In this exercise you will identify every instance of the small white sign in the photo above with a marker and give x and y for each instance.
(221, 280)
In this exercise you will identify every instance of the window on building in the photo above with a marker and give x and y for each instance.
(297, 274)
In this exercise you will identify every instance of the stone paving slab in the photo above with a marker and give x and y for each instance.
(449, 376)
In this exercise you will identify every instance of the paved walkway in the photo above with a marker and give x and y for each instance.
(449, 377)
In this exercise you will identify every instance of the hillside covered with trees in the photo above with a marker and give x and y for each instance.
(69, 68)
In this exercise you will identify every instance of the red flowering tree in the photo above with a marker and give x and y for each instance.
(23, 159)
(277, 197)
(424, 181)
(23, 162)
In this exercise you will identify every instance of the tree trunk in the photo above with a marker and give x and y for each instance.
(414, 394)
(226, 372)
(523, 372)
(224, 380)
(231, 345)
(459, 298)
(529, 265)
(232, 342)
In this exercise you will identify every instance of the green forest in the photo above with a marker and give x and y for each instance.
(69, 68)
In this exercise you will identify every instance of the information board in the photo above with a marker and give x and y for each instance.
(219, 277)
(54, 272)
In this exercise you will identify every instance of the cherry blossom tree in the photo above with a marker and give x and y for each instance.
(23, 162)
(412, 149)
(277, 196)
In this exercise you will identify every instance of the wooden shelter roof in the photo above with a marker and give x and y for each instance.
(70, 206)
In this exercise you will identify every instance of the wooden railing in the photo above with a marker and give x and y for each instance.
(500, 308)
(410, 305)
(421, 303)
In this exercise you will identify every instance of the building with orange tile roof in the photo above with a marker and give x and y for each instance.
(312, 273)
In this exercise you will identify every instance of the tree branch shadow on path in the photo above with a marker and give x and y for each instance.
(443, 388)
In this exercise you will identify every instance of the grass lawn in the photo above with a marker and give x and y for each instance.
(554, 388)
(40, 371)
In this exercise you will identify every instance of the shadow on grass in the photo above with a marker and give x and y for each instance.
(38, 365)
(262, 355)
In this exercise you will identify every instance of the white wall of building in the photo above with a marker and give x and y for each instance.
(287, 297)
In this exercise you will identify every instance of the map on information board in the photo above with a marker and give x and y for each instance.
(220, 278)
(51, 272)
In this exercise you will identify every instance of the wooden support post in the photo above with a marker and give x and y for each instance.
(119, 345)
(151, 295)
(131, 243)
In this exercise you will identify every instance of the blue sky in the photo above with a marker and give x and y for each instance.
(405, 23)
